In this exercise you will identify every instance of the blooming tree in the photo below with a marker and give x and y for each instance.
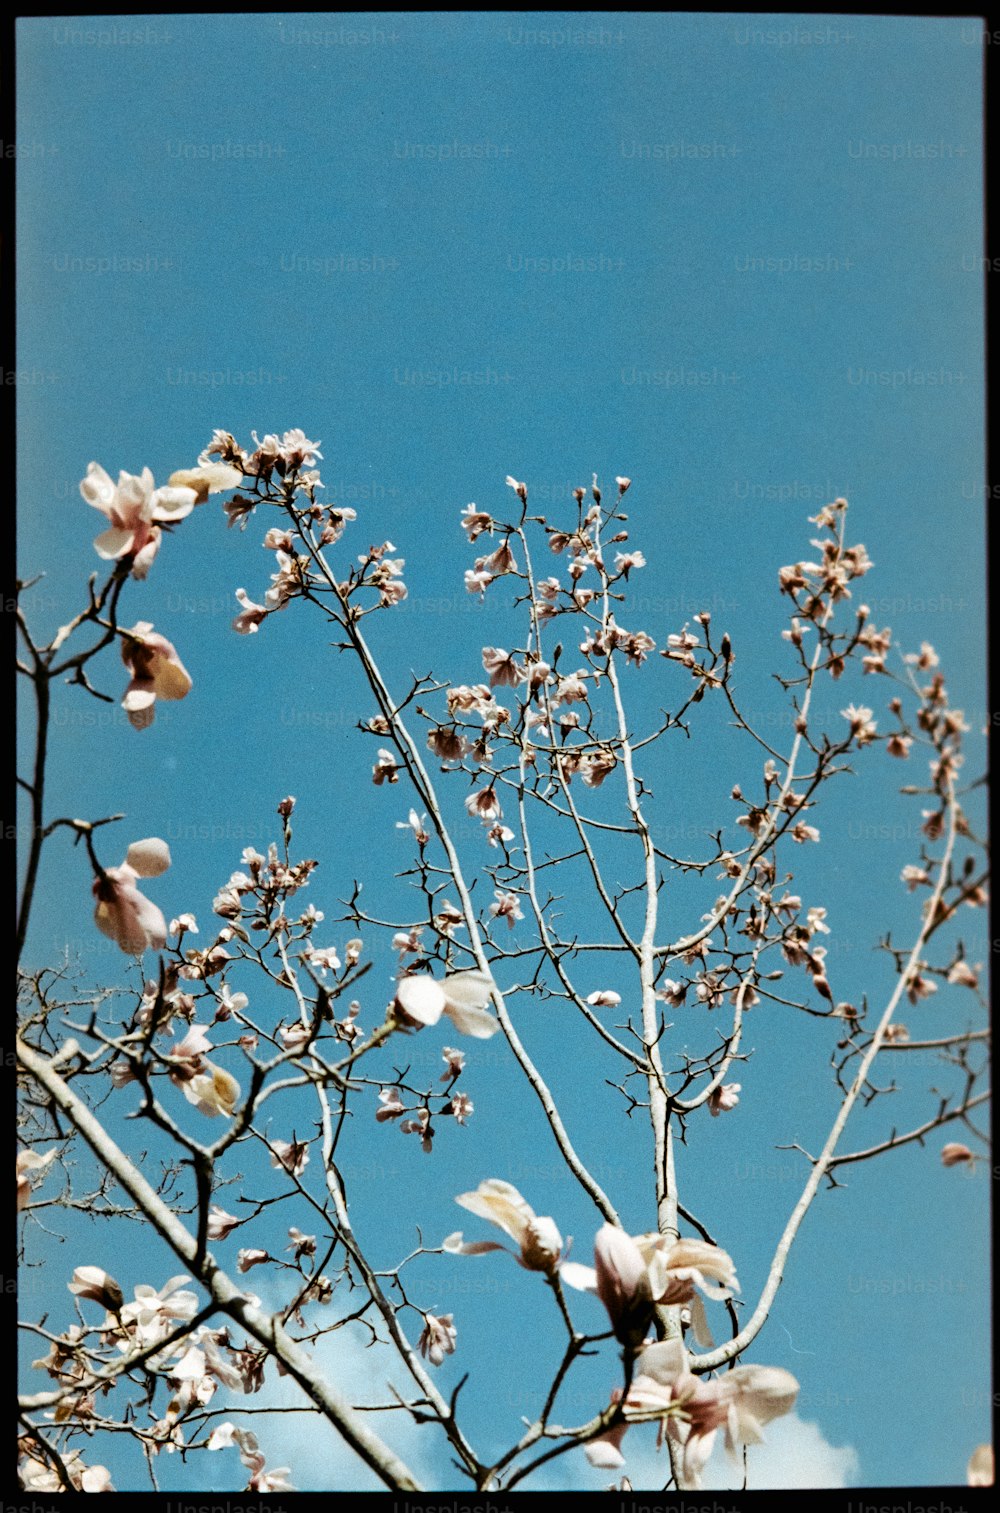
(260, 1035)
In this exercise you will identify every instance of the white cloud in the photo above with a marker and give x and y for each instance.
(796, 1454)
(318, 1457)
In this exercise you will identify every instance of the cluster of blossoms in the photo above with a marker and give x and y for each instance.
(549, 696)
(631, 1276)
(137, 515)
(552, 725)
(814, 586)
(691, 1410)
(451, 1103)
(194, 1367)
(282, 476)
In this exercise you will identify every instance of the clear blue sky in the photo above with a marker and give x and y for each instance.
(476, 244)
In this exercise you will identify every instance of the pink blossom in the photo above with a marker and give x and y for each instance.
(475, 522)
(796, 631)
(506, 907)
(483, 803)
(918, 986)
(293, 1155)
(462, 997)
(962, 975)
(499, 562)
(572, 689)
(925, 659)
(622, 1282)
(693, 1410)
(213, 1091)
(861, 723)
(454, 1063)
(194, 1044)
(30, 1167)
(448, 919)
(447, 744)
(461, 1107)
(392, 1105)
(387, 578)
(386, 769)
(520, 489)
(604, 999)
(683, 640)
(636, 645)
(153, 1313)
(295, 1037)
(296, 451)
(464, 699)
(724, 1098)
(407, 941)
(248, 621)
(595, 768)
(674, 1271)
(303, 1245)
(415, 823)
(220, 1224)
(275, 1480)
(954, 1154)
(132, 507)
(538, 1240)
(502, 667)
(438, 1338)
(538, 674)
(710, 989)
(286, 583)
(124, 914)
(94, 1283)
(980, 1470)
(247, 1258)
(421, 1126)
(857, 561)
(224, 445)
(626, 561)
(157, 672)
(325, 959)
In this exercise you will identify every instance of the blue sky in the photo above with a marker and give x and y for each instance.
(736, 264)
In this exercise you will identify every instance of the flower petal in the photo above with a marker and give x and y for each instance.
(583, 1278)
(454, 1245)
(172, 503)
(501, 1204)
(470, 1021)
(149, 858)
(113, 543)
(98, 489)
(421, 998)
